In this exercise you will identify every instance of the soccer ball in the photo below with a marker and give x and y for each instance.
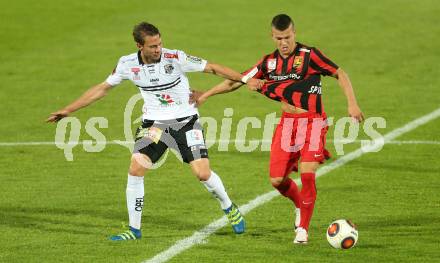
(342, 234)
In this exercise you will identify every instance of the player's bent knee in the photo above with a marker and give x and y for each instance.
(139, 164)
(204, 176)
(201, 169)
(309, 167)
(136, 171)
(276, 181)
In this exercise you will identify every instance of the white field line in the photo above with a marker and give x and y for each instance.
(11, 144)
(200, 236)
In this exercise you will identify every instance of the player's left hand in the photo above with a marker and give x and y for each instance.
(355, 112)
(194, 96)
(255, 84)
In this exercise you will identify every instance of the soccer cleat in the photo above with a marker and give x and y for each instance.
(301, 236)
(297, 218)
(130, 234)
(235, 218)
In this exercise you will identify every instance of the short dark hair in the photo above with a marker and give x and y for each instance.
(282, 22)
(144, 29)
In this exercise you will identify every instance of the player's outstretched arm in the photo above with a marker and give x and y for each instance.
(231, 74)
(91, 95)
(345, 83)
(224, 87)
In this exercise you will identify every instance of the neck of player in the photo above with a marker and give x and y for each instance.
(149, 60)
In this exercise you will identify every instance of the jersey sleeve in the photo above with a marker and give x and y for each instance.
(190, 63)
(322, 64)
(256, 71)
(118, 74)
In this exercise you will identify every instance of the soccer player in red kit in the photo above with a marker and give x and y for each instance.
(293, 77)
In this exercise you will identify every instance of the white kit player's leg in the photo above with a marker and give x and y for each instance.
(215, 186)
(135, 203)
(135, 200)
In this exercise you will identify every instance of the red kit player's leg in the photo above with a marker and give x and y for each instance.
(308, 196)
(312, 154)
(281, 164)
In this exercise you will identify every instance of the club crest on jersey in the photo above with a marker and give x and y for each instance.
(169, 68)
(297, 62)
(271, 64)
(136, 75)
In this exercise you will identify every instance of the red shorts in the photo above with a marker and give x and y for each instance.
(298, 136)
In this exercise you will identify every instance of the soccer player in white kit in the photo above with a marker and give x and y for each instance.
(169, 120)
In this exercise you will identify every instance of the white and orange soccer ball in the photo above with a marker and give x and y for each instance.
(342, 234)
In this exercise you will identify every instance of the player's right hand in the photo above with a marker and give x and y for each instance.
(255, 84)
(355, 112)
(56, 116)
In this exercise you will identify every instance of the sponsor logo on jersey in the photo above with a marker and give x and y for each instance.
(151, 69)
(271, 64)
(168, 68)
(154, 80)
(136, 75)
(164, 99)
(284, 77)
(194, 59)
(171, 55)
(315, 90)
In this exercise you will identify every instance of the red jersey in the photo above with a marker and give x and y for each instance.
(295, 79)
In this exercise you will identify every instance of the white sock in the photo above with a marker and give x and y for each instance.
(135, 200)
(215, 187)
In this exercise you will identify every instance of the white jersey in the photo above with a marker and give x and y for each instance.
(163, 85)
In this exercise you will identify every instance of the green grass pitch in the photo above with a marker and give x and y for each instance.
(52, 210)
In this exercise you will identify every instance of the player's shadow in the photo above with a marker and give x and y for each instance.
(257, 231)
(53, 219)
(400, 221)
(408, 226)
(227, 231)
(372, 246)
(168, 225)
(87, 222)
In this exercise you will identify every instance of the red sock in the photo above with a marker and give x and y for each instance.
(289, 189)
(308, 197)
